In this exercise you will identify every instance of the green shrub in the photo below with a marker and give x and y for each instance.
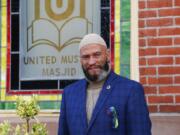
(26, 109)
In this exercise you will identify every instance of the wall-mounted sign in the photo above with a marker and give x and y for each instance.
(49, 36)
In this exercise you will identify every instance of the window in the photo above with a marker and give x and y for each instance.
(114, 27)
(17, 19)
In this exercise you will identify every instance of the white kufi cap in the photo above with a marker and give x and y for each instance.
(92, 38)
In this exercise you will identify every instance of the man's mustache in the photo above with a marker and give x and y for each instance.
(105, 67)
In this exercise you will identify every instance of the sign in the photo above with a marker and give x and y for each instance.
(50, 35)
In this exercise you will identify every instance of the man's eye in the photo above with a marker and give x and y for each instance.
(97, 55)
(85, 57)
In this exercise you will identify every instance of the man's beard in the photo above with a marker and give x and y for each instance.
(96, 78)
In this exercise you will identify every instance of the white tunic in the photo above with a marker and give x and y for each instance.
(93, 91)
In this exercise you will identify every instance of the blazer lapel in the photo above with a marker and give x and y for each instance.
(83, 104)
(105, 92)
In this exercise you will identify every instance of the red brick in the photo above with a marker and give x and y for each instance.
(160, 61)
(177, 2)
(169, 108)
(142, 42)
(141, 52)
(151, 51)
(165, 80)
(152, 80)
(169, 89)
(168, 70)
(177, 99)
(160, 99)
(153, 108)
(147, 32)
(165, 58)
(159, 22)
(177, 41)
(142, 4)
(141, 23)
(169, 12)
(150, 90)
(159, 3)
(147, 71)
(159, 41)
(142, 61)
(147, 14)
(148, 51)
(177, 79)
(169, 51)
(177, 20)
(177, 60)
(143, 80)
(169, 31)
(160, 80)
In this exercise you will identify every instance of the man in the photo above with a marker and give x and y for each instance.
(103, 103)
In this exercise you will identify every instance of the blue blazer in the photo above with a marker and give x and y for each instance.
(126, 96)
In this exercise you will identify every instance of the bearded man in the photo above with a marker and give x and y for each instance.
(103, 103)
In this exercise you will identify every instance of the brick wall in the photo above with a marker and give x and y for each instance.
(159, 53)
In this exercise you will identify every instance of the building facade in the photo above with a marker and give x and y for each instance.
(142, 35)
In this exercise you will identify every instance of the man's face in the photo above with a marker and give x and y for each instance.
(94, 59)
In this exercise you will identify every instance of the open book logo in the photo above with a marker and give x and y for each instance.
(57, 23)
(45, 32)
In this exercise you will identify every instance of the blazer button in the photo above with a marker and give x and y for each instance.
(108, 87)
